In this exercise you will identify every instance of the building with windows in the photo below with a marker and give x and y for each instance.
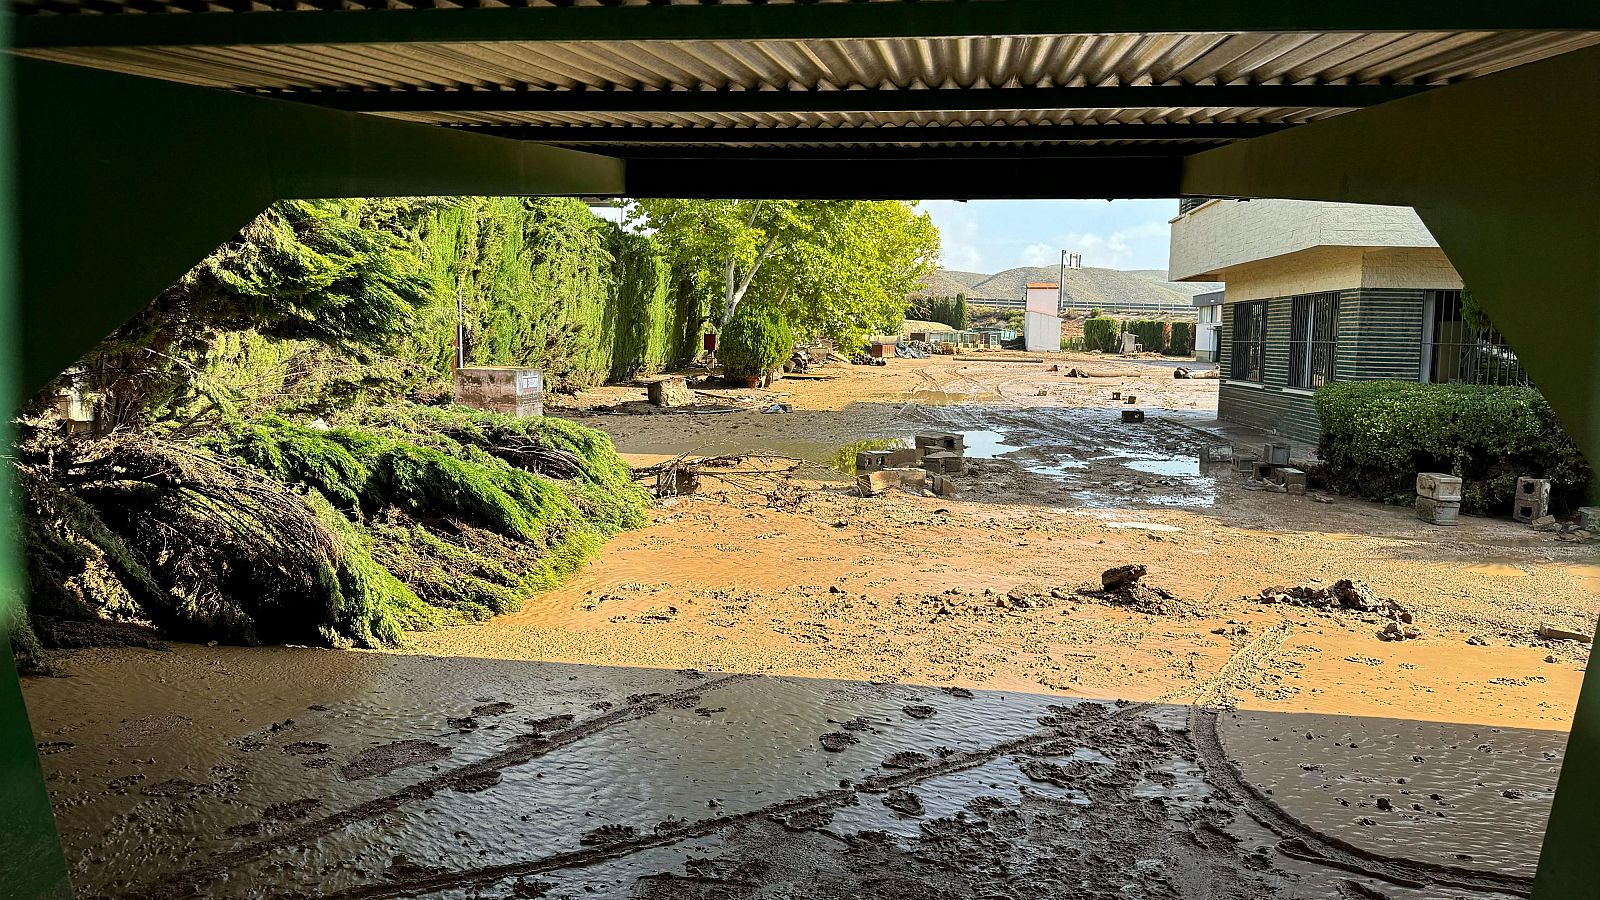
(1323, 292)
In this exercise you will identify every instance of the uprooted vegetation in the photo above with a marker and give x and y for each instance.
(271, 532)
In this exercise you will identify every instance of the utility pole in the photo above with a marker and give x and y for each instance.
(461, 331)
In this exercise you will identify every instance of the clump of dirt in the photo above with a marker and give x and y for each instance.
(474, 782)
(387, 758)
(836, 741)
(306, 748)
(497, 708)
(905, 803)
(1349, 596)
(1124, 586)
(920, 711)
(290, 810)
(608, 834)
(905, 759)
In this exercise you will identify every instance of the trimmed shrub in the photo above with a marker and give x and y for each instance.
(1377, 435)
(1150, 333)
(1181, 343)
(755, 342)
(1101, 333)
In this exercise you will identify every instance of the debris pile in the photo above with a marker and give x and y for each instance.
(1349, 596)
(1124, 586)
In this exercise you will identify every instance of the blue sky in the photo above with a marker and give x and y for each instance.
(992, 235)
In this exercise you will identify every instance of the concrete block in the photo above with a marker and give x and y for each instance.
(1133, 416)
(872, 461)
(513, 390)
(1551, 633)
(940, 440)
(1532, 502)
(1287, 475)
(941, 485)
(673, 390)
(1275, 453)
(1438, 512)
(1589, 518)
(1438, 486)
(1244, 465)
(943, 462)
(1217, 453)
(871, 484)
(903, 457)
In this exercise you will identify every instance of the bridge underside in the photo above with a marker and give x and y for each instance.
(145, 133)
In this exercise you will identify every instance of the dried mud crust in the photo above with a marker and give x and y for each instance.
(1301, 841)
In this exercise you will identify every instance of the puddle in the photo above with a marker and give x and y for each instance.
(987, 444)
(1587, 575)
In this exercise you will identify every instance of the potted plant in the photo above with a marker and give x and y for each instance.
(754, 343)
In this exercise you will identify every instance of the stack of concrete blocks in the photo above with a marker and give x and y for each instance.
(1274, 455)
(669, 391)
(513, 390)
(893, 458)
(1438, 498)
(1292, 479)
(1533, 500)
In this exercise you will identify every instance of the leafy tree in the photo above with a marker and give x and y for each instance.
(836, 268)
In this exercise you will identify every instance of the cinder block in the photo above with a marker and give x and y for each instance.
(1439, 486)
(941, 485)
(943, 461)
(1589, 518)
(513, 390)
(1133, 416)
(1244, 465)
(871, 484)
(940, 440)
(1532, 501)
(1287, 475)
(872, 461)
(1216, 453)
(1275, 453)
(1438, 512)
(903, 457)
(670, 391)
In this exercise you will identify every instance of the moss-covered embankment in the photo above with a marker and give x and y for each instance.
(266, 531)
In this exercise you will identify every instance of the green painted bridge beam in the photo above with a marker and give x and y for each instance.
(1505, 172)
(796, 21)
(131, 181)
(1204, 96)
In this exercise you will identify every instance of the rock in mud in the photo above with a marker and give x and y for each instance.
(904, 802)
(836, 741)
(306, 748)
(389, 757)
(498, 708)
(1122, 577)
(919, 711)
(958, 692)
(290, 810)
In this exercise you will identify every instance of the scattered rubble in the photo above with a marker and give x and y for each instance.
(1124, 586)
(1350, 596)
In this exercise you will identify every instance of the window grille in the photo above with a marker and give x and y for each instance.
(1460, 354)
(1313, 339)
(1249, 342)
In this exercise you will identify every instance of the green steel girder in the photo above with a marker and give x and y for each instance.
(31, 862)
(1206, 96)
(877, 134)
(130, 181)
(797, 21)
(1505, 171)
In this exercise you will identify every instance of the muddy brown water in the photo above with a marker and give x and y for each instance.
(619, 782)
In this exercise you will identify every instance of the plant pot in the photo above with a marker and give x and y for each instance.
(752, 381)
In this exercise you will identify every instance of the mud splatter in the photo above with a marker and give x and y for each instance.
(387, 758)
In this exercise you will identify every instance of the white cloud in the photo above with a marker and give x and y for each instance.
(1039, 254)
(958, 235)
(1118, 249)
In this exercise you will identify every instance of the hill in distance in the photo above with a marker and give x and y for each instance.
(1088, 286)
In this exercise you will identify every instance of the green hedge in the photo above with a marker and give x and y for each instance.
(1182, 341)
(1101, 333)
(1377, 435)
(755, 342)
(1150, 333)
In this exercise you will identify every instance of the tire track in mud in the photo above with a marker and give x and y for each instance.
(1038, 743)
(1300, 841)
(524, 748)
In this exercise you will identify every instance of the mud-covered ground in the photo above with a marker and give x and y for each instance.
(778, 689)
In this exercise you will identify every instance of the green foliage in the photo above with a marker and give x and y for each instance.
(1150, 333)
(1181, 340)
(755, 343)
(1377, 435)
(835, 268)
(1101, 333)
(950, 311)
